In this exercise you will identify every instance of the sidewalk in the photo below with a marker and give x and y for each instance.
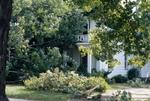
(137, 93)
(11, 99)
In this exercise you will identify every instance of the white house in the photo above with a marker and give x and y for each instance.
(91, 62)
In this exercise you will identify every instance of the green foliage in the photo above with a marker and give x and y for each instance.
(103, 48)
(119, 79)
(37, 26)
(72, 24)
(101, 44)
(45, 60)
(137, 61)
(36, 18)
(102, 74)
(32, 21)
(137, 83)
(87, 5)
(133, 73)
(68, 64)
(147, 80)
(39, 61)
(98, 74)
(39, 21)
(122, 26)
(122, 96)
(69, 82)
(96, 81)
(84, 50)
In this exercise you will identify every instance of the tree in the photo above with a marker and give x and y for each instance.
(72, 24)
(36, 27)
(32, 23)
(5, 16)
(126, 25)
(103, 48)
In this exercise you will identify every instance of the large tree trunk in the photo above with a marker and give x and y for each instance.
(5, 16)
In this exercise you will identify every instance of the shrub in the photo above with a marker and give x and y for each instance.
(91, 82)
(147, 80)
(136, 83)
(119, 79)
(69, 82)
(38, 61)
(34, 82)
(100, 74)
(133, 73)
(121, 96)
(68, 63)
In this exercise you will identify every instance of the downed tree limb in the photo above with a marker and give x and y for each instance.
(89, 92)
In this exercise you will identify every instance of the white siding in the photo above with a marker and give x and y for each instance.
(119, 69)
(145, 71)
(101, 66)
(92, 25)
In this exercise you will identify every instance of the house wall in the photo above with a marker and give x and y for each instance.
(101, 65)
(120, 69)
(92, 25)
(145, 71)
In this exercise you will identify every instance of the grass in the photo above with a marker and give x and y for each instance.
(117, 86)
(15, 91)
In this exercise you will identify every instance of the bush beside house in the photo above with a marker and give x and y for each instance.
(119, 79)
(133, 73)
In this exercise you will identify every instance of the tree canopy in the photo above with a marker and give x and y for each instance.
(123, 25)
(37, 28)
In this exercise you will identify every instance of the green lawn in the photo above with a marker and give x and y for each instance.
(119, 86)
(15, 91)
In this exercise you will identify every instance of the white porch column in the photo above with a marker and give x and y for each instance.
(98, 65)
(89, 63)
